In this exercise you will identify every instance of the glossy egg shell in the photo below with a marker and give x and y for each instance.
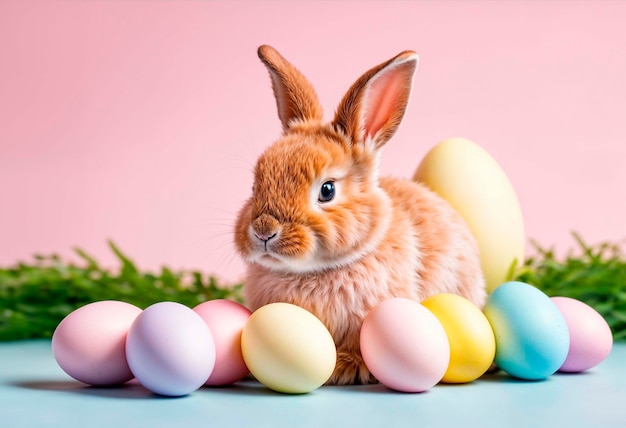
(591, 339)
(404, 345)
(170, 349)
(288, 349)
(470, 179)
(532, 338)
(89, 343)
(472, 343)
(226, 320)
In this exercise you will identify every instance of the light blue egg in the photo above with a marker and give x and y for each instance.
(532, 339)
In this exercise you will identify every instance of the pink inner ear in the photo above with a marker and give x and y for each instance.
(383, 99)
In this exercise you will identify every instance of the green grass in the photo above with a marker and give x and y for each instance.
(35, 296)
(594, 274)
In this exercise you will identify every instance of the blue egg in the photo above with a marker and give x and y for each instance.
(532, 338)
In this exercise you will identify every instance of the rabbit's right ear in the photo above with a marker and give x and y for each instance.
(372, 109)
(295, 97)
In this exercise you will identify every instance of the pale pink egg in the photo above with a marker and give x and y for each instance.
(226, 320)
(404, 345)
(591, 339)
(89, 343)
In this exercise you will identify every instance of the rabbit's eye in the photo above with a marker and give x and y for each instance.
(327, 192)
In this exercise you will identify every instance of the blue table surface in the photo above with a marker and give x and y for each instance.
(35, 392)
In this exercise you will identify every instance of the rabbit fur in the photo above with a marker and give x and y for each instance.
(374, 239)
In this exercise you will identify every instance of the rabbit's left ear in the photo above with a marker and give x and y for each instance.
(372, 109)
(296, 99)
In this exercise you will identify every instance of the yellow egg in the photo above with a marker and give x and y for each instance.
(465, 175)
(472, 342)
(288, 349)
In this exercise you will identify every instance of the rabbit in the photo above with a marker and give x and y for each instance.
(324, 232)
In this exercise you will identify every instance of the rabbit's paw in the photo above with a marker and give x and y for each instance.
(350, 370)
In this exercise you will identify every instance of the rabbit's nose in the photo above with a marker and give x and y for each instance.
(265, 227)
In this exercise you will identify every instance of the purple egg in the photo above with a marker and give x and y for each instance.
(591, 339)
(170, 349)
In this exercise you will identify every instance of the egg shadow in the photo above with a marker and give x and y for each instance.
(502, 377)
(131, 389)
(574, 374)
(244, 387)
(249, 387)
(373, 389)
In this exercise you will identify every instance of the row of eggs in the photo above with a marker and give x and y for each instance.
(523, 331)
(173, 350)
(170, 350)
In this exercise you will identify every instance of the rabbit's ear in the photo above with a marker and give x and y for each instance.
(295, 97)
(372, 109)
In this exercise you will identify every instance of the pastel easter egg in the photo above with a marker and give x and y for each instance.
(591, 339)
(170, 349)
(226, 320)
(472, 342)
(288, 349)
(471, 180)
(404, 345)
(532, 338)
(89, 343)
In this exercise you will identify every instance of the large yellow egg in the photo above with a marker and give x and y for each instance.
(471, 338)
(465, 175)
(288, 349)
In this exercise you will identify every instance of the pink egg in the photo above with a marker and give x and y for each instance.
(226, 320)
(404, 345)
(88, 344)
(590, 335)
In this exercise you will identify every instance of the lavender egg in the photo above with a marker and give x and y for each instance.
(170, 349)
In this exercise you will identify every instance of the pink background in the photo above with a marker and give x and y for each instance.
(141, 121)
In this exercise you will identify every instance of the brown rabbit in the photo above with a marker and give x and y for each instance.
(324, 232)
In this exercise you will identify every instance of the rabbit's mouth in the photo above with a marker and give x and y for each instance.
(311, 263)
(272, 254)
(263, 252)
(279, 247)
(265, 256)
